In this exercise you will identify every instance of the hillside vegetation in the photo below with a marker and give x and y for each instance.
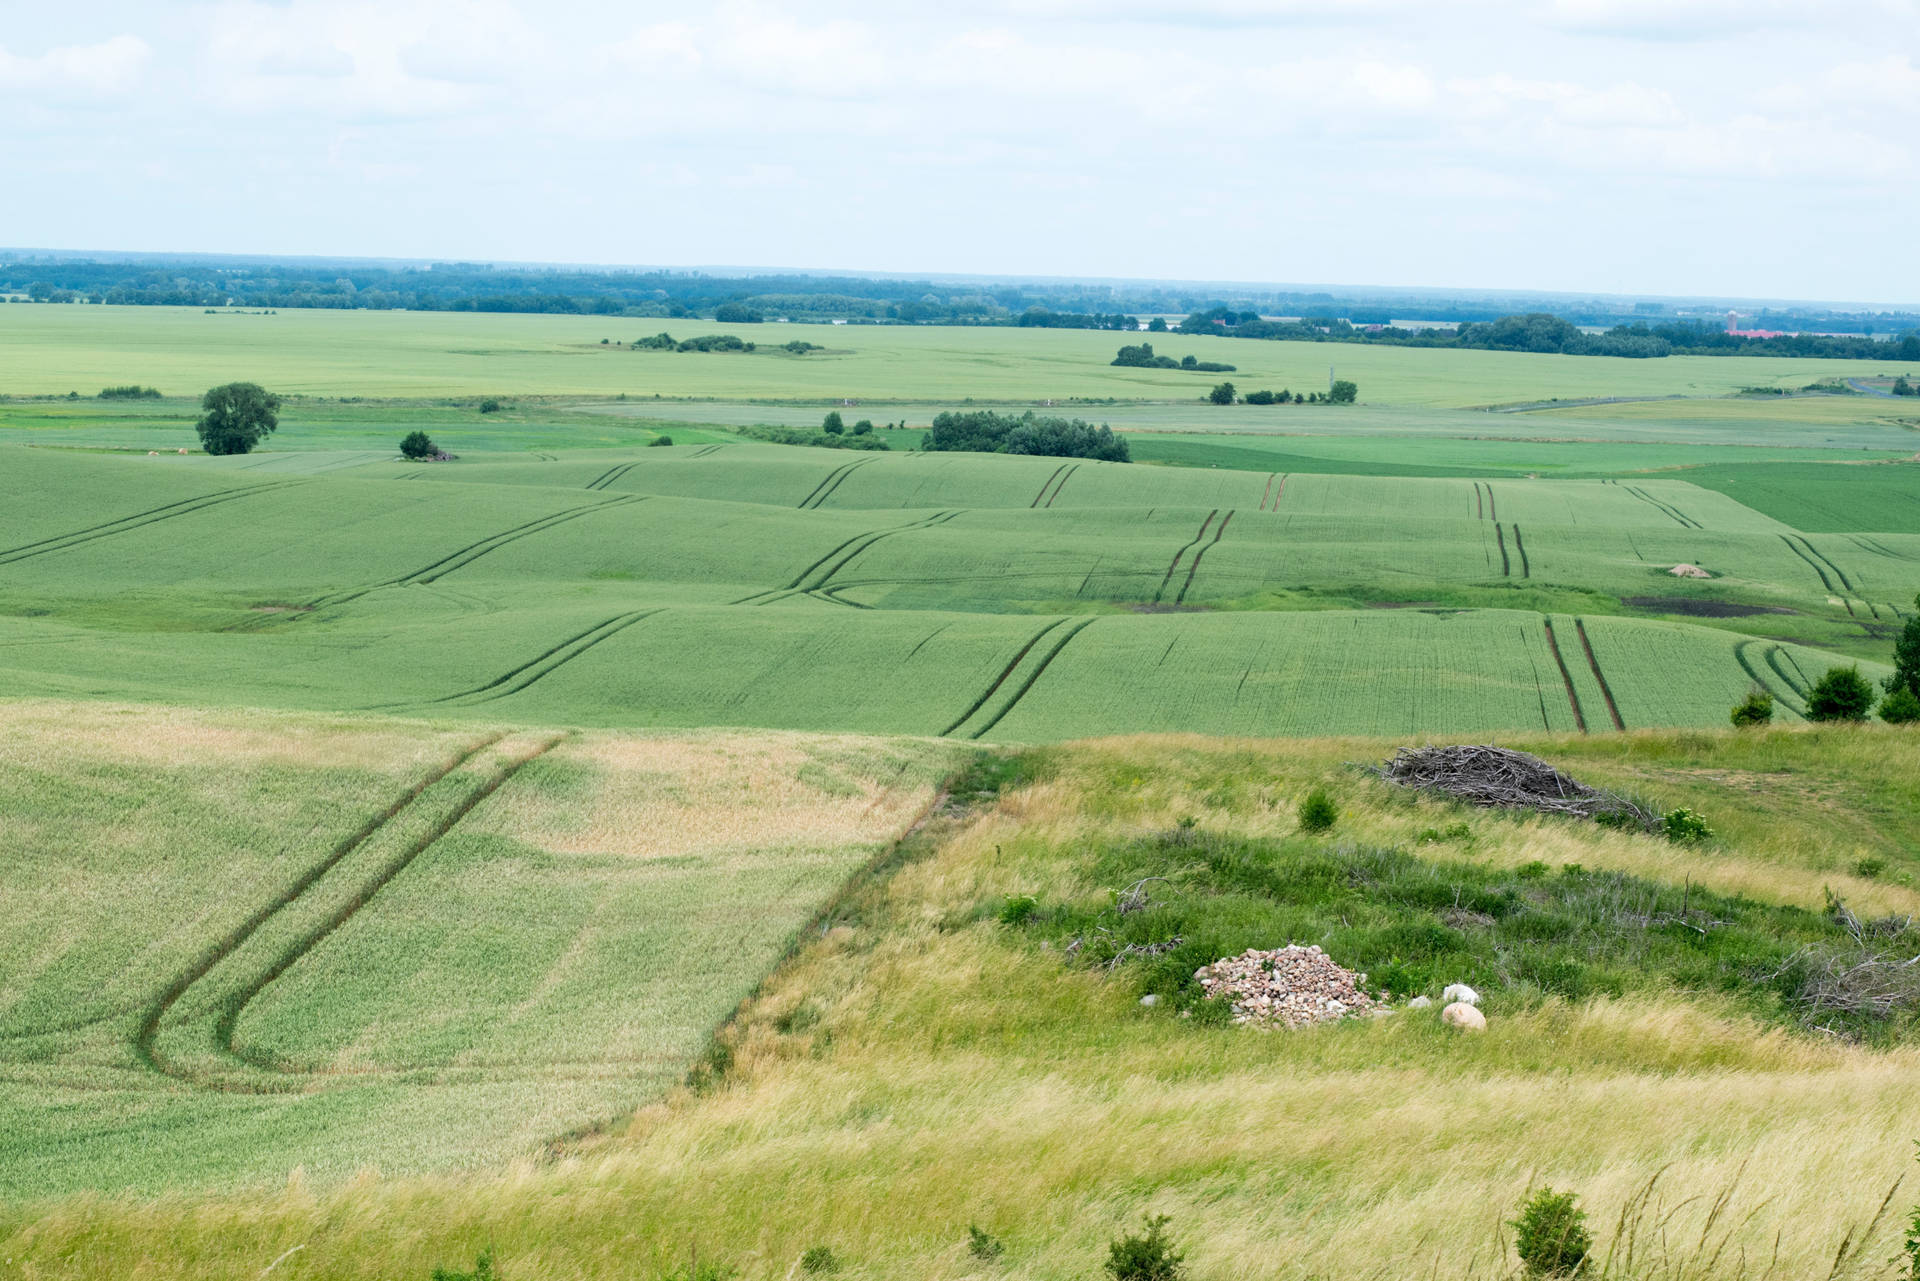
(920, 1065)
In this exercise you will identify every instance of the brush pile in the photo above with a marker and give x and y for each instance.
(1287, 987)
(1500, 778)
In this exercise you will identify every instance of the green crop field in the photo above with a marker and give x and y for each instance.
(604, 851)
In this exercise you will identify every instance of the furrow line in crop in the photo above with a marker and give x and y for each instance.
(1063, 483)
(1606, 690)
(467, 558)
(1526, 566)
(823, 484)
(1493, 510)
(1175, 562)
(595, 482)
(1811, 563)
(1506, 566)
(1044, 484)
(1824, 559)
(1267, 493)
(1679, 516)
(1034, 675)
(612, 476)
(855, 553)
(224, 1028)
(139, 520)
(572, 650)
(1566, 677)
(1758, 678)
(1001, 679)
(504, 677)
(146, 1034)
(1194, 567)
(1538, 692)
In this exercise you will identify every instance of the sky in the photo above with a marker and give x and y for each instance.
(1745, 148)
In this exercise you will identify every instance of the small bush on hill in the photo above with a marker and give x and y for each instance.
(1843, 694)
(1222, 394)
(1317, 811)
(713, 342)
(1343, 392)
(132, 391)
(1550, 1236)
(490, 406)
(659, 342)
(800, 347)
(864, 427)
(660, 440)
(482, 1270)
(1018, 910)
(1149, 1256)
(1684, 827)
(417, 445)
(983, 1246)
(1902, 707)
(833, 424)
(1755, 709)
(819, 1260)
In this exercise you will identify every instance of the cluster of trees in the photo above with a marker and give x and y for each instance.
(130, 391)
(1844, 695)
(833, 434)
(705, 342)
(1043, 318)
(1901, 387)
(1142, 357)
(986, 432)
(1342, 392)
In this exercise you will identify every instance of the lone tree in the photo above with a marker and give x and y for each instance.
(237, 416)
(417, 445)
(1843, 694)
(1222, 394)
(1906, 656)
(833, 424)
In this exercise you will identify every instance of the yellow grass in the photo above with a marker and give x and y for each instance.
(914, 1070)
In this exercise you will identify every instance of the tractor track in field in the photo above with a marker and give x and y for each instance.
(1566, 677)
(834, 479)
(612, 474)
(1034, 676)
(1194, 567)
(464, 556)
(1606, 690)
(1538, 692)
(1001, 679)
(1526, 566)
(1185, 548)
(1500, 537)
(872, 536)
(1047, 484)
(860, 547)
(1812, 564)
(1828, 561)
(1062, 485)
(562, 654)
(138, 520)
(225, 1028)
(146, 1036)
(1793, 695)
(1674, 513)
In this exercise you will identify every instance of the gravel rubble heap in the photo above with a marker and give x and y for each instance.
(1287, 987)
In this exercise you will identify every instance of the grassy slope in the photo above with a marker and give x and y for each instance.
(195, 991)
(58, 349)
(920, 1067)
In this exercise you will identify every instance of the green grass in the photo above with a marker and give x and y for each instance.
(236, 945)
(1840, 500)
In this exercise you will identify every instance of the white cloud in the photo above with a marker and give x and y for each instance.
(108, 69)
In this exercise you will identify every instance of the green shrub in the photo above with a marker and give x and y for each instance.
(1869, 868)
(983, 1246)
(482, 1270)
(1148, 1257)
(660, 440)
(1317, 812)
(130, 391)
(1843, 694)
(1902, 707)
(1755, 709)
(1684, 827)
(418, 445)
(819, 1260)
(833, 424)
(1018, 910)
(1551, 1235)
(1532, 871)
(490, 406)
(700, 1270)
(1222, 394)
(864, 427)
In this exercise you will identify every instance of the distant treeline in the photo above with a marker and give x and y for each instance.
(985, 432)
(1541, 332)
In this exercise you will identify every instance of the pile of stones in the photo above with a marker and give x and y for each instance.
(1288, 987)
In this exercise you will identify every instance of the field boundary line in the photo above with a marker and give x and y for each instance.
(1175, 563)
(1573, 699)
(225, 1027)
(1606, 690)
(126, 524)
(1194, 567)
(146, 1034)
(1001, 679)
(1034, 676)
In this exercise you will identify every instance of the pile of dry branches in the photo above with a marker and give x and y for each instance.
(1498, 777)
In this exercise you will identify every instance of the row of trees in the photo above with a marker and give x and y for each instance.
(985, 432)
(705, 342)
(1140, 356)
(1342, 392)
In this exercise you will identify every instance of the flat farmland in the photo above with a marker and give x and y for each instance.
(422, 354)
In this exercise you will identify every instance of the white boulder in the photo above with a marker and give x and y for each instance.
(1460, 992)
(1463, 1016)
